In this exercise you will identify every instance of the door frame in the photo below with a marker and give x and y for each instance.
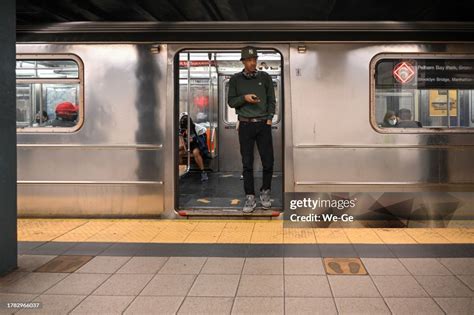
(171, 143)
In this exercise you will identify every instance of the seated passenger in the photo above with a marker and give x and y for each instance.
(390, 120)
(405, 120)
(66, 115)
(197, 142)
(41, 119)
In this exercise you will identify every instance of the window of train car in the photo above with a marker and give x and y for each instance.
(48, 93)
(423, 93)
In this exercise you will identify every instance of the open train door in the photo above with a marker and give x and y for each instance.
(210, 183)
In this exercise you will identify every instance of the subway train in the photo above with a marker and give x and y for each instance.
(119, 153)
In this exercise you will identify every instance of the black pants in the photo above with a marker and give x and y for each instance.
(249, 133)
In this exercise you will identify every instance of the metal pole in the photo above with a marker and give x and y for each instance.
(449, 108)
(458, 107)
(188, 131)
(209, 107)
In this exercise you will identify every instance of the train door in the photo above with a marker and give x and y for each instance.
(210, 182)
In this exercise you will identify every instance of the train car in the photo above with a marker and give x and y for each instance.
(118, 154)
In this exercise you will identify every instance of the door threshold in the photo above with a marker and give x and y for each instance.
(272, 213)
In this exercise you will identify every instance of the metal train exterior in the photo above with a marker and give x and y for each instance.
(121, 160)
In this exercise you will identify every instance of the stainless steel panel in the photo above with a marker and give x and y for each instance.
(82, 164)
(90, 200)
(330, 107)
(370, 166)
(120, 140)
(458, 165)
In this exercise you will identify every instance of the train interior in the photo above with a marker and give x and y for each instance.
(203, 86)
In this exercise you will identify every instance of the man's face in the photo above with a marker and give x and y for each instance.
(250, 64)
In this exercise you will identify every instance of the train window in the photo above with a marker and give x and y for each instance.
(48, 93)
(422, 94)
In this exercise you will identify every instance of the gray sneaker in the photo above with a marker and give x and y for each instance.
(249, 204)
(265, 199)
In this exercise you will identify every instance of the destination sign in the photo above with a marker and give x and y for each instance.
(425, 74)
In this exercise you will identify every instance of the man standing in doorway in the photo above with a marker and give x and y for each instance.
(252, 95)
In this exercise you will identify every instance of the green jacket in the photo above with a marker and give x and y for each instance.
(261, 85)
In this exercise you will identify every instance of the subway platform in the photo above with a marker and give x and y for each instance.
(101, 266)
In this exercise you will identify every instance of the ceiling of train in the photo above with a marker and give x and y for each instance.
(34, 12)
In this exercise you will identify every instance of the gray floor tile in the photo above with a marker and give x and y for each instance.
(215, 285)
(303, 266)
(258, 305)
(103, 264)
(260, 285)
(353, 286)
(361, 306)
(373, 251)
(26, 247)
(425, 267)
(123, 249)
(206, 305)
(223, 265)
(384, 267)
(171, 285)
(456, 305)
(399, 286)
(52, 248)
(444, 286)
(266, 250)
(13, 298)
(468, 280)
(123, 284)
(11, 277)
(307, 286)
(35, 282)
(143, 265)
(263, 266)
(78, 284)
(302, 250)
(103, 305)
(55, 304)
(337, 250)
(417, 306)
(155, 304)
(459, 266)
(301, 306)
(32, 262)
(183, 265)
(92, 249)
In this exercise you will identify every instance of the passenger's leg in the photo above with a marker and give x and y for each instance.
(247, 143)
(198, 159)
(200, 163)
(265, 149)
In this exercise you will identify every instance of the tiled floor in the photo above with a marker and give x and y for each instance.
(292, 285)
(239, 267)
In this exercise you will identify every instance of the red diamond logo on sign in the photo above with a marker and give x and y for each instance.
(403, 72)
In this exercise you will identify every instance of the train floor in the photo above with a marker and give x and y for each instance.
(95, 266)
(223, 190)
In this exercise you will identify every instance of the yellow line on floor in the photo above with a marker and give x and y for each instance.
(230, 231)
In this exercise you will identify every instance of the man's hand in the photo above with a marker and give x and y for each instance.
(251, 98)
(269, 122)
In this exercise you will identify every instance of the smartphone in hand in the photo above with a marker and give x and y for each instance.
(255, 98)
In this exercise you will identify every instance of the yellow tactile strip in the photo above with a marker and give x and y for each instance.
(227, 231)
